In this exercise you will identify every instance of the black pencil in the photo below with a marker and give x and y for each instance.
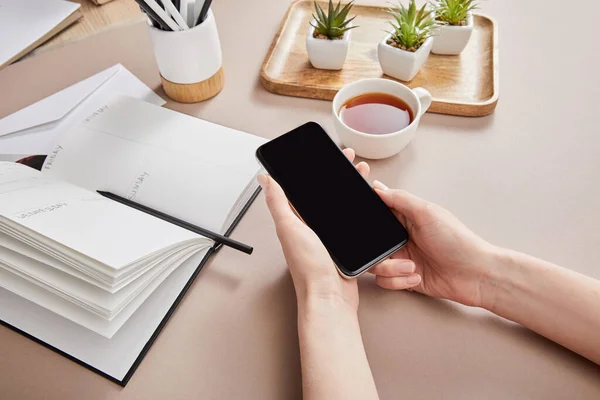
(176, 221)
(153, 16)
(203, 12)
(150, 19)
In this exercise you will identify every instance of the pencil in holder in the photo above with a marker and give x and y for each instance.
(190, 61)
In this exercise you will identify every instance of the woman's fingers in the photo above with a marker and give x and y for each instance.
(364, 169)
(398, 282)
(394, 267)
(400, 200)
(349, 153)
(276, 201)
(401, 254)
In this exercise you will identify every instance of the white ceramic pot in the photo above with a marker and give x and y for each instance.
(325, 53)
(452, 40)
(379, 146)
(188, 56)
(402, 64)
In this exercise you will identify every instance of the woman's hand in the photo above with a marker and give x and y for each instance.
(312, 269)
(330, 342)
(442, 258)
(449, 260)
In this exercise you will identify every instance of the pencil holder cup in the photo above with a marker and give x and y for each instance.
(189, 61)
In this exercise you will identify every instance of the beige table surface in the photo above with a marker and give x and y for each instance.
(526, 177)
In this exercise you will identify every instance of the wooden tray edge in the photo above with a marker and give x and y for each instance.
(438, 106)
(476, 108)
(264, 77)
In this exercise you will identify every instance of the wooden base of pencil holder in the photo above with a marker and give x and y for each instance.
(194, 92)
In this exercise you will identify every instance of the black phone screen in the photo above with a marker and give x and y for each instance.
(333, 199)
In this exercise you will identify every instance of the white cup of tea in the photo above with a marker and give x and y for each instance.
(369, 116)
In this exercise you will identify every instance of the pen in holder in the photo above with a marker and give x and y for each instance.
(189, 61)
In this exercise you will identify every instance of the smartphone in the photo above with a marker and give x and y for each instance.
(334, 200)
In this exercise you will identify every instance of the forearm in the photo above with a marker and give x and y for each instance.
(334, 363)
(557, 303)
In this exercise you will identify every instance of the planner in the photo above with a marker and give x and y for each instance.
(91, 269)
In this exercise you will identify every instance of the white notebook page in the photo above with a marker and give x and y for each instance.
(80, 221)
(186, 167)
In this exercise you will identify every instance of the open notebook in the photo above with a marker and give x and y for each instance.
(87, 267)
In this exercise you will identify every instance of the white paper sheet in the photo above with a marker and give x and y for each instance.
(24, 22)
(33, 130)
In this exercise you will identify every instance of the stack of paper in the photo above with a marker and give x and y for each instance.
(95, 255)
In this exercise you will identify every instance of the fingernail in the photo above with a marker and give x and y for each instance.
(263, 180)
(379, 185)
(413, 279)
(406, 267)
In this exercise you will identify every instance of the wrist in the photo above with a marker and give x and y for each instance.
(330, 292)
(317, 304)
(497, 279)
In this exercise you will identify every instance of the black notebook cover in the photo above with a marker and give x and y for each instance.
(36, 162)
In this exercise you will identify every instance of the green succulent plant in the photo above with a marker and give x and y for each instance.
(412, 26)
(334, 24)
(453, 12)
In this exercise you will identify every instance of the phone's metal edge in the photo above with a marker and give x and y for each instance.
(371, 264)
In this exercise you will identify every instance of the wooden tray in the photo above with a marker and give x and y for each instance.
(460, 85)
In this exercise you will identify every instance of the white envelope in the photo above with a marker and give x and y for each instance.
(32, 130)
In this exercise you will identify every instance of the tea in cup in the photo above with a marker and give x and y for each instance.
(378, 117)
